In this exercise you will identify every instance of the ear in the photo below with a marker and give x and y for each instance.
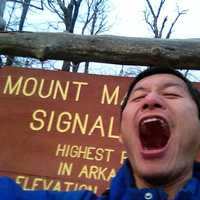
(198, 157)
(198, 153)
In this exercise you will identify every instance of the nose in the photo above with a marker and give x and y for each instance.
(152, 101)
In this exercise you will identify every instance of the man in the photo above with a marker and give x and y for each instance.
(160, 129)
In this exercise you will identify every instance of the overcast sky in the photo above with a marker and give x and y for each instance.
(130, 19)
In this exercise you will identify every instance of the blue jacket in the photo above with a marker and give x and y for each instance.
(121, 188)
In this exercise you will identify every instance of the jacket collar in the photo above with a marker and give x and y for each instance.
(125, 181)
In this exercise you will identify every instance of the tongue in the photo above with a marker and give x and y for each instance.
(154, 134)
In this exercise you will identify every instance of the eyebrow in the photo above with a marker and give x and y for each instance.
(169, 84)
(138, 88)
(165, 85)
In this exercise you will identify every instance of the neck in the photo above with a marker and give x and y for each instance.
(171, 187)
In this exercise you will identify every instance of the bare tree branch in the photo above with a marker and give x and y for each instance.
(151, 8)
(75, 14)
(53, 9)
(10, 16)
(146, 17)
(155, 17)
(162, 27)
(88, 16)
(183, 12)
(159, 8)
(31, 5)
(150, 13)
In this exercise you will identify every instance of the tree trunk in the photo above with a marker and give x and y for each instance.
(86, 71)
(71, 14)
(26, 4)
(2, 7)
(66, 66)
(2, 22)
(75, 67)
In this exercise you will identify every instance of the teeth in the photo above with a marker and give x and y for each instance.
(153, 120)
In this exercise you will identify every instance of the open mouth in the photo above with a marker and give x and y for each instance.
(154, 133)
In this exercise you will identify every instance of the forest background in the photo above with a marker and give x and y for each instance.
(139, 18)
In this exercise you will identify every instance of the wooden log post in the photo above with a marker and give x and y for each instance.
(178, 53)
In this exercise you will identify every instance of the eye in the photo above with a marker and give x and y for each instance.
(138, 97)
(171, 95)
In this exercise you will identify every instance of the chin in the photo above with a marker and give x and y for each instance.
(157, 180)
(154, 174)
(156, 177)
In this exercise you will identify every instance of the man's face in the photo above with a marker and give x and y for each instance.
(160, 128)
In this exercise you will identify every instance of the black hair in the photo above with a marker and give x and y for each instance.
(194, 92)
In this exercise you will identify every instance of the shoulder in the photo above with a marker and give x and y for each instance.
(9, 190)
(7, 183)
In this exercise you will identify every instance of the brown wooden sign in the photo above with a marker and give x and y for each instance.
(59, 131)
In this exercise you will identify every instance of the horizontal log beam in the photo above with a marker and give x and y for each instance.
(178, 53)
